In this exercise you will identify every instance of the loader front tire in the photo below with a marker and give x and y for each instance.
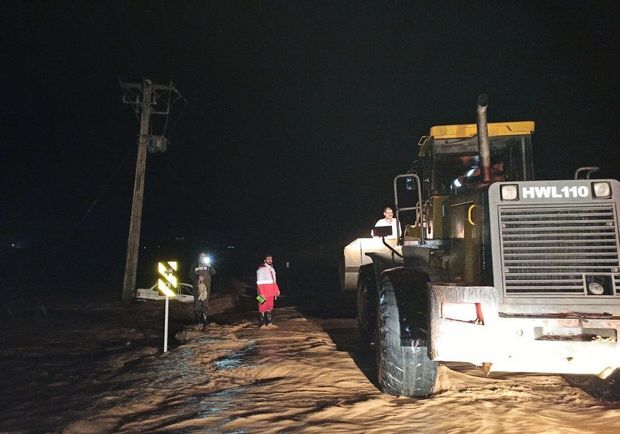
(403, 365)
(607, 389)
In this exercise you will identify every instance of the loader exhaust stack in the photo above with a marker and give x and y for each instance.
(483, 137)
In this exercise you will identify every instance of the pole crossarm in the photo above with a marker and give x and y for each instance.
(160, 93)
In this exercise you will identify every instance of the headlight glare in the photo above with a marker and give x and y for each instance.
(601, 189)
(509, 192)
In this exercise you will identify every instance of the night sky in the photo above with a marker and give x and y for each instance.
(297, 114)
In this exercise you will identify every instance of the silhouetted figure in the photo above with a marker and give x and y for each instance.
(201, 274)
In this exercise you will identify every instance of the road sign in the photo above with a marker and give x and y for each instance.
(168, 282)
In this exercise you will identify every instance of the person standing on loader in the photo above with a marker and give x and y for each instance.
(268, 291)
(201, 273)
(388, 220)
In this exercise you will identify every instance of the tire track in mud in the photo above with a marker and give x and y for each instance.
(305, 376)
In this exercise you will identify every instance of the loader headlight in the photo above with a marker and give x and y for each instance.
(509, 192)
(601, 284)
(601, 190)
(596, 288)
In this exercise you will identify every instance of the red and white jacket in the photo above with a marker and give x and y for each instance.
(266, 281)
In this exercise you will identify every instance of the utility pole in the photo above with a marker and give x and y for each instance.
(133, 243)
(144, 97)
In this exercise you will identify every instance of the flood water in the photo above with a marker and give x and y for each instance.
(99, 368)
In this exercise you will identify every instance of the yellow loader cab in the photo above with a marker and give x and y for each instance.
(452, 152)
(447, 132)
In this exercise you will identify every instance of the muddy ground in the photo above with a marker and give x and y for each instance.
(98, 367)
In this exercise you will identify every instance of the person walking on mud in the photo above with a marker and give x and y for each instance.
(268, 291)
(201, 273)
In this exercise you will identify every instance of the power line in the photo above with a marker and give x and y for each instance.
(99, 195)
(178, 117)
(166, 42)
(136, 52)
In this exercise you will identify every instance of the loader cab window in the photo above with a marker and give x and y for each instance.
(456, 163)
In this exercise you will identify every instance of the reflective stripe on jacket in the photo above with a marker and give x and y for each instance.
(266, 281)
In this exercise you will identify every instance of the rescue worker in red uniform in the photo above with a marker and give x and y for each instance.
(267, 287)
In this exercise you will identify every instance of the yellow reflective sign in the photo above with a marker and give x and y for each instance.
(168, 280)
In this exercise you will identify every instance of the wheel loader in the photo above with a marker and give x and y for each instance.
(491, 267)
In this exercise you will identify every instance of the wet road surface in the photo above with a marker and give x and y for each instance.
(310, 374)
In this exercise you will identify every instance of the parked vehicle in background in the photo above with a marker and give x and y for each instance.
(185, 293)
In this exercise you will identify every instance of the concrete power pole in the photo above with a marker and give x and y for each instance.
(133, 243)
(146, 98)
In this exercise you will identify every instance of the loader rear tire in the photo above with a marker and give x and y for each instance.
(366, 304)
(403, 366)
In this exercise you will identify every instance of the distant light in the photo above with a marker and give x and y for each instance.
(12, 244)
(206, 260)
(230, 247)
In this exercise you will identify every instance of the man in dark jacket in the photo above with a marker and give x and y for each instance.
(201, 274)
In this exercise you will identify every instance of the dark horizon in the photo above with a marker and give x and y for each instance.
(298, 114)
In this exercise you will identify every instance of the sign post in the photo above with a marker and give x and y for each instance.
(166, 325)
(166, 283)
